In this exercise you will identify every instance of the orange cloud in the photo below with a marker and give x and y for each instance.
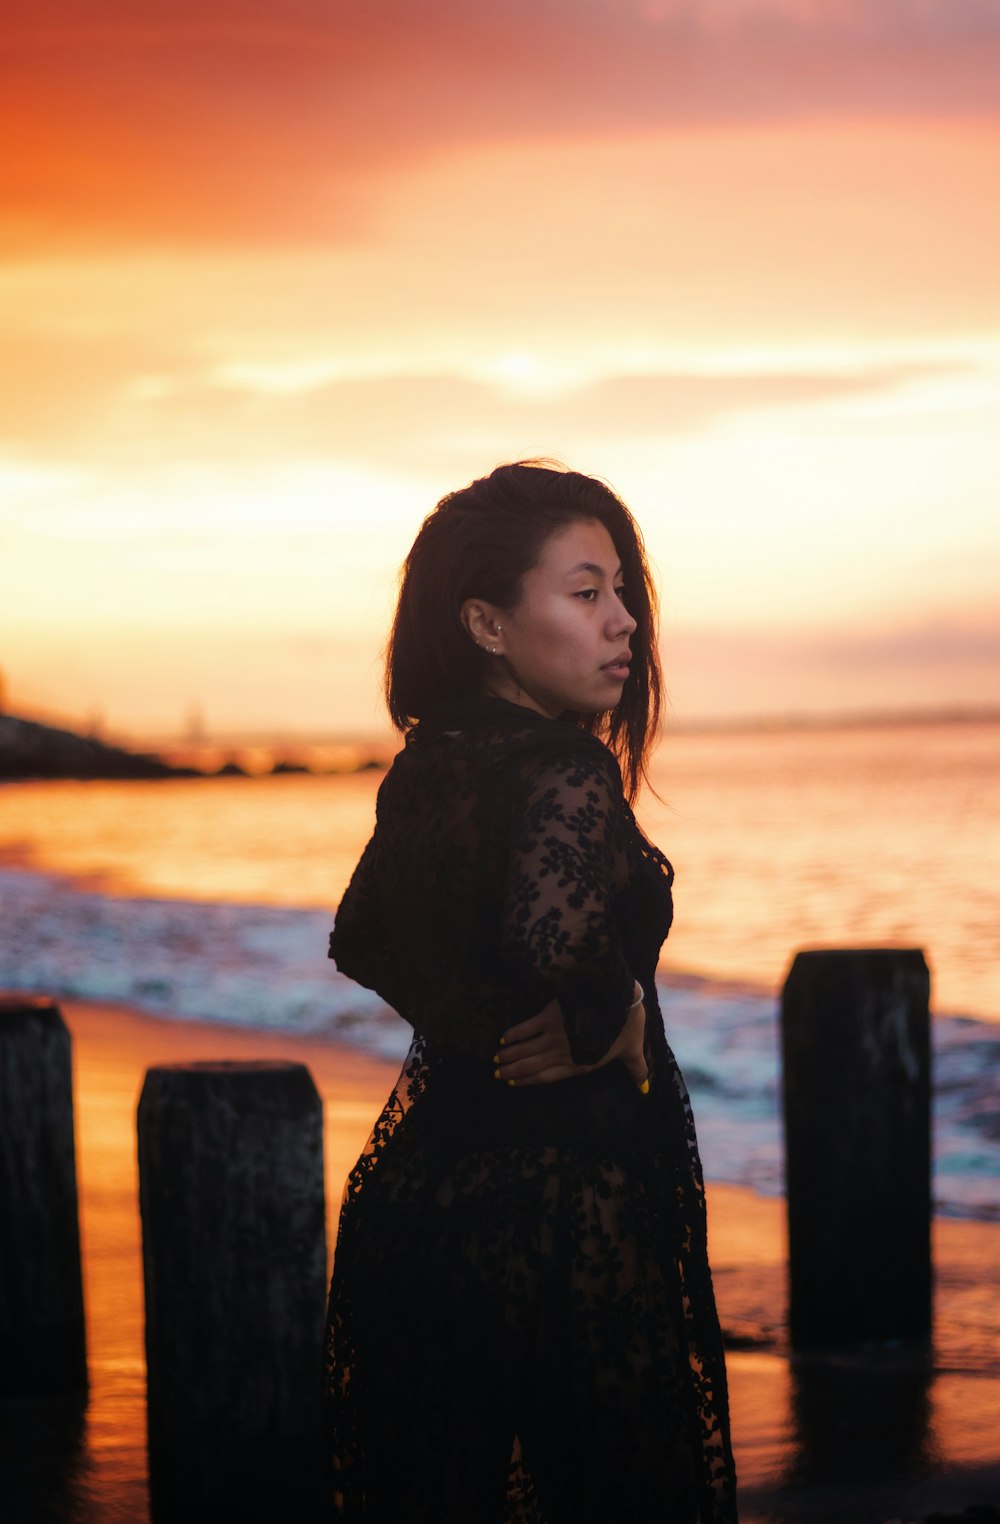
(232, 120)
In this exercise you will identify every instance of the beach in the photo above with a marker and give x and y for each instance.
(632, 368)
(212, 900)
(893, 1435)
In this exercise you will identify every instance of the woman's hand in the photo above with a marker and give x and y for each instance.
(536, 1051)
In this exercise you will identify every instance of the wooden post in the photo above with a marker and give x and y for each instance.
(855, 1032)
(43, 1346)
(234, 1259)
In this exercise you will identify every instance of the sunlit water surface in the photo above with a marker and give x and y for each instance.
(213, 899)
(853, 837)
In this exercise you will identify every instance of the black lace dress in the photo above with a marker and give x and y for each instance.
(522, 1323)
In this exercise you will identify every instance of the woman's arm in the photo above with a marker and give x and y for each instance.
(359, 942)
(560, 936)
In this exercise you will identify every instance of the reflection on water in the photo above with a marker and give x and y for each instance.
(274, 841)
(854, 837)
(875, 1437)
(46, 1461)
(827, 838)
(862, 1420)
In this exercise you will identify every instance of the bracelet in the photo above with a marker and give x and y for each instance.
(640, 997)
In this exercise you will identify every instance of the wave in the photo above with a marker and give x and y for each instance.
(266, 967)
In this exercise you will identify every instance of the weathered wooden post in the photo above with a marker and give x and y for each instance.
(43, 1346)
(234, 1258)
(855, 1033)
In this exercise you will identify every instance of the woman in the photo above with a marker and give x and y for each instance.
(522, 1323)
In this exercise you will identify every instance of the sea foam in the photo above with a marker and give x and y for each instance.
(266, 967)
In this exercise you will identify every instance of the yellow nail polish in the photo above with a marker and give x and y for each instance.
(510, 1082)
(496, 1073)
(503, 1042)
(496, 1058)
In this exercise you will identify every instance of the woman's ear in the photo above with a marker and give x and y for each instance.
(484, 625)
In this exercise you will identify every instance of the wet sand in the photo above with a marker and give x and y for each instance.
(862, 1440)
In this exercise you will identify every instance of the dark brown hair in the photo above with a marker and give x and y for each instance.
(478, 543)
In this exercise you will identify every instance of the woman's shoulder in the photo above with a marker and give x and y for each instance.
(557, 756)
(510, 746)
(573, 754)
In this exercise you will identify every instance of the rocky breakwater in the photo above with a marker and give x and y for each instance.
(31, 750)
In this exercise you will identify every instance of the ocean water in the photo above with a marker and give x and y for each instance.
(213, 899)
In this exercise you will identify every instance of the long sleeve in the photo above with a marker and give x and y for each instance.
(559, 929)
(359, 942)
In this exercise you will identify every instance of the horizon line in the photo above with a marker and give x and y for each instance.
(770, 722)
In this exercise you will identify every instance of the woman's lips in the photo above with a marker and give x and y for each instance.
(617, 669)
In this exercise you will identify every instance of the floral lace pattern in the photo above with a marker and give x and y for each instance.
(522, 1324)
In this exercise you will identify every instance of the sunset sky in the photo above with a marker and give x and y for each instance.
(276, 276)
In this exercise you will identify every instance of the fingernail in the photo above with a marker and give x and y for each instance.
(503, 1042)
(644, 1087)
(496, 1073)
(510, 1082)
(496, 1058)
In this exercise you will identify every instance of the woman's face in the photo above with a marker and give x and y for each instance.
(566, 643)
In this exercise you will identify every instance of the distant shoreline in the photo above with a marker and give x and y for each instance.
(31, 751)
(374, 749)
(860, 719)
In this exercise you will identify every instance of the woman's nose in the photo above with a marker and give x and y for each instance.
(621, 621)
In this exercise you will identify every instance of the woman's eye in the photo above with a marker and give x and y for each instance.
(588, 593)
(620, 590)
